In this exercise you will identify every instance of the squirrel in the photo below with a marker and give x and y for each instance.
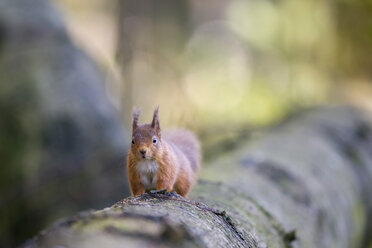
(162, 161)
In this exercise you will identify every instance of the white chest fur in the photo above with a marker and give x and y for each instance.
(148, 170)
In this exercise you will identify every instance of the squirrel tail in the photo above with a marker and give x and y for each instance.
(189, 144)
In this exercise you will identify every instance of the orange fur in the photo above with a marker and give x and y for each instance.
(168, 161)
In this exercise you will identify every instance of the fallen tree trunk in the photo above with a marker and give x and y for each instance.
(305, 183)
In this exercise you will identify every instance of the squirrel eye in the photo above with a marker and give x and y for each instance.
(154, 140)
(133, 141)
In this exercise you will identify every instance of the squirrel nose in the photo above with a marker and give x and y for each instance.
(143, 152)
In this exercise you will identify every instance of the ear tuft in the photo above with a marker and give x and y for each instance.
(136, 114)
(155, 121)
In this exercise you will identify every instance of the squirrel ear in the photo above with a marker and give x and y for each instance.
(155, 120)
(136, 114)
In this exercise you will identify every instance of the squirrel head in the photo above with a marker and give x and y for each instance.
(146, 138)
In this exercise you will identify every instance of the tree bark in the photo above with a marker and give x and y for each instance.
(304, 183)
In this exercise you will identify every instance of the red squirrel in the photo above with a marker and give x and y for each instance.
(158, 161)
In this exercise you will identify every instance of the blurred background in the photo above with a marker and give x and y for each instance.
(246, 62)
(71, 71)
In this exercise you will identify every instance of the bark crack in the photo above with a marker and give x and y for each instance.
(172, 196)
